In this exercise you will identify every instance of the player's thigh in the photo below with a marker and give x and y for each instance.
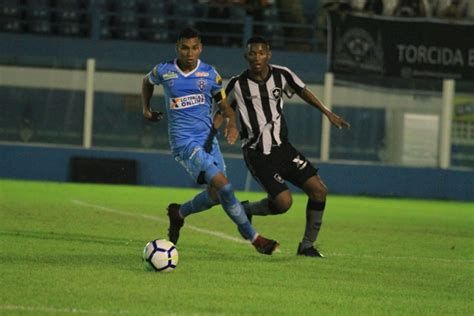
(296, 168)
(264, 169)
(218, 158)
(196, 161)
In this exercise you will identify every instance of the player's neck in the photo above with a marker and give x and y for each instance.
(186, 68)
(259, 75)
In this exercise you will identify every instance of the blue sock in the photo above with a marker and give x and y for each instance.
(199, 203)
(235, 211)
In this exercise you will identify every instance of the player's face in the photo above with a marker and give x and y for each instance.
(257, 56)
(188, 50)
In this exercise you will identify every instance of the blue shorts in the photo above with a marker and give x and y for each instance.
(198, 163)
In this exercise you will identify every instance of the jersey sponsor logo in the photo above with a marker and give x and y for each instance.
(202, 74)
(187, 101)
(278, 178)
(300, 164)
(170, 75)
(201, 83)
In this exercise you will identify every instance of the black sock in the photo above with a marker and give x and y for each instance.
(314, 220)
(260, 208)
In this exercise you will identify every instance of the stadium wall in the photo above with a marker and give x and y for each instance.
(139, 57)
(159, 169)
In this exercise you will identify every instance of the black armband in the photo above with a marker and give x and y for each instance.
(218, 97)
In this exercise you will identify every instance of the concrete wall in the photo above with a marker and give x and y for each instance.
(159, 168)
(138, 57)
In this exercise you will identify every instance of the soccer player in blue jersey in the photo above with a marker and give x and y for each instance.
(190, 86)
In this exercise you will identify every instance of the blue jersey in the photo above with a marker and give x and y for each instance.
(188, 100)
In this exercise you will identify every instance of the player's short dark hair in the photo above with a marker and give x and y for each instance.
(258, 40)
(189, 32)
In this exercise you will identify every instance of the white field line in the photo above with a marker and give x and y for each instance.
(241, 241)
(161, 220)
(407, 258)
(53, 310)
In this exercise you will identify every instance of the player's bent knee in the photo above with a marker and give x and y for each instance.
(213, 194)
(210, 173)
(226, 191)
(315, 189)
(319, 195)
(218, 181)
(319, 192)
(280, 207)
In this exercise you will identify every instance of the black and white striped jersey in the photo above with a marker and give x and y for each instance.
(260, 105)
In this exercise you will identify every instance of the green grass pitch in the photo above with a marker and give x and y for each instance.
(76, 248)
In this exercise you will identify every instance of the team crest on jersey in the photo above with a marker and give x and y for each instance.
(276, 92)
(170, 75)
(278, 178)
(201, 83)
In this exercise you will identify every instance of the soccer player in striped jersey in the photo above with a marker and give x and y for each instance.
(189, 86)
(258, 95)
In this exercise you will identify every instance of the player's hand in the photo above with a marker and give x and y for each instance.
(338, 121)
(218, 120)
(231, 133)
(153, 116)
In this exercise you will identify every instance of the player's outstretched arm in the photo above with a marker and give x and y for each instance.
(230, 131)
(310, 98)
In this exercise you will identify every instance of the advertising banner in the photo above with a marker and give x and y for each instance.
(401, 47)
